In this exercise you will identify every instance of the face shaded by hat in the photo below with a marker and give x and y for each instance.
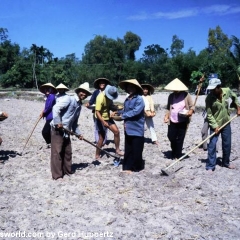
(83, 88)
(176, 85)
(48, 87)
(111, 92)
(123, 85)
(62, 87)
(98, 80)
(213, 83)
(149, 87)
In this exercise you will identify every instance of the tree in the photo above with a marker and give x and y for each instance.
(3, 34)
(176, 46)
(132, 42)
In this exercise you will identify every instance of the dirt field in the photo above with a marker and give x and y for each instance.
(99, 201)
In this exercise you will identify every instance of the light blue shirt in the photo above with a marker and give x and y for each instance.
(133, 115)
(67, 111)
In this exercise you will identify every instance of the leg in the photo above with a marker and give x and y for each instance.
(99, 144)
(67, 156)
(46, 132)
(150, 125)
(127, 161)
(137, 149)
(95, 129)
(181, 132)
(204, 133)
(56, 154)
(212, 155)
(172, 136)
(226, 145)
(101, 134)
(115, 130)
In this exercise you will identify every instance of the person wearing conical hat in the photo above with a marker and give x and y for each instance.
(66, 112)
(133, 116)
(149, 110)
(104, 102)
(99, 85)
(180, 108)
(49, 90)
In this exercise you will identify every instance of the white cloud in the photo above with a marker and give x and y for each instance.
(184, 13)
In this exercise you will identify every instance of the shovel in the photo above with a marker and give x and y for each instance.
(31, 134)
(107, 153)
(166, 173)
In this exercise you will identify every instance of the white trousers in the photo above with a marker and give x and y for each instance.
(150, 126)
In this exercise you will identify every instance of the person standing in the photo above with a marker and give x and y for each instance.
(100, 85)
(66, 112)
(104, 103)
(217, 115)
(148, 90)
(3, 116)
(133, 116)
(49, 90)
(179, 101)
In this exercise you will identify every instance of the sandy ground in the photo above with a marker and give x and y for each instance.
(100, 202)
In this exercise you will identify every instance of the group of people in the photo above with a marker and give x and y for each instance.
(62, 112)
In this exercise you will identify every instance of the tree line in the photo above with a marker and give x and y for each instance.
(115, 59)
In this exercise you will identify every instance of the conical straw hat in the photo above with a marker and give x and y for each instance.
(135, 82)
(176, 85)
(96, 82)
(62, 86)
(85, 88)
(47, 85)
(149, 87)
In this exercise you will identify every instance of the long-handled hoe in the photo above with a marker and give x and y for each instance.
(165, 170)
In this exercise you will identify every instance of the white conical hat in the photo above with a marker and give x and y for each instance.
(176, 85)
(47, 85)
(84, 87)
(62, 86)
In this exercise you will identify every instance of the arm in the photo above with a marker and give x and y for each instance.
(210, 117)
(190, 105)
(49, 104)
(136, 110)
(235, 101)
(62, 104)
(167, 114)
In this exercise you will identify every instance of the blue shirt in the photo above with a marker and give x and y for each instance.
(133, 115)
(67, 111)
(50, 101)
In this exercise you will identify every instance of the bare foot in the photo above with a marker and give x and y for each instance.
(120, 153)
(127, 171)
(230, 166)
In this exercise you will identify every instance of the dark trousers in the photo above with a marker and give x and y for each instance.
(61, 155)
(46, 132)
(176, 135)
(133, 153)
(226, 148)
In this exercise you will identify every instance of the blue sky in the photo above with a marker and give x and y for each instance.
(66, 26)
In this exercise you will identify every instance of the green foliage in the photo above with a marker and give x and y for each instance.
(115, 60)
(195, 77)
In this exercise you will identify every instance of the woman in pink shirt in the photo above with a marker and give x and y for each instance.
(179, 111)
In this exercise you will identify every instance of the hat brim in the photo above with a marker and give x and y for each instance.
(110, 96)
(83, 90)
(149, 87)
(123, 86)
(42, 89)
(96, 82)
